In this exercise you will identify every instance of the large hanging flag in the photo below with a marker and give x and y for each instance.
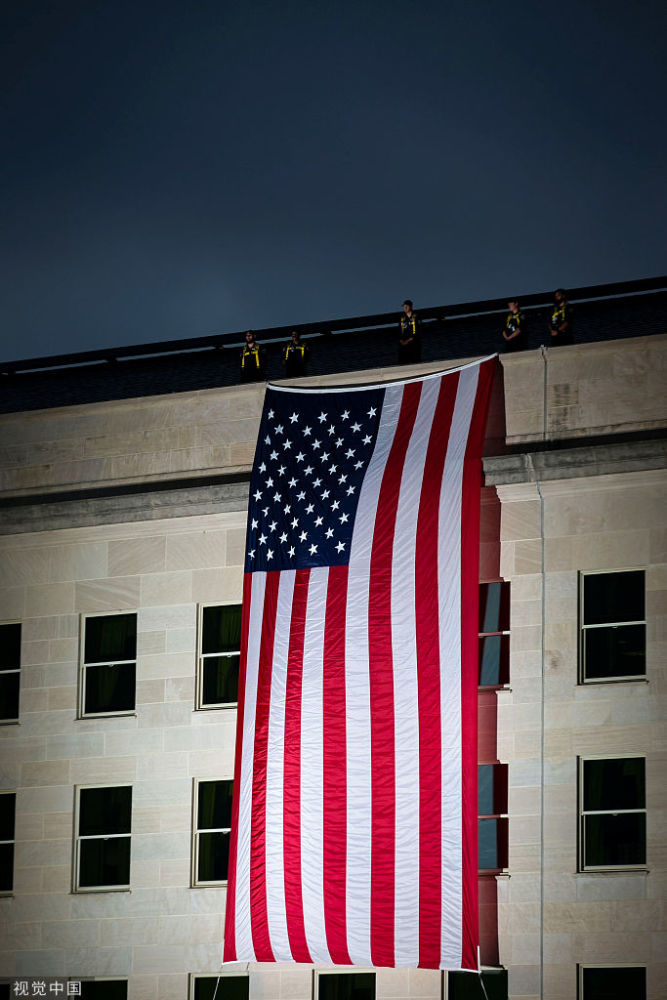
(354, 836)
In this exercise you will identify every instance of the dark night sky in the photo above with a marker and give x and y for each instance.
(175, 169)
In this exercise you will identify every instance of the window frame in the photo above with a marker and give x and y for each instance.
(76, 887)
(581, 813)
(4, 893)
(102, 979)
(500, 792)
(110, 663)
(4, 671)
(487, 970)
(195, 882)
(606, 965)
(322, 973)
(583, 628)
(200, 705)
(502, 634)
(194, 976)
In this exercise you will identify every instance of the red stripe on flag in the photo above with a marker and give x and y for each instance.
(470, 514)
(334, 789)
(230, 914)
(380, 661)
(428, 681)
(258, 905)
(292, 772)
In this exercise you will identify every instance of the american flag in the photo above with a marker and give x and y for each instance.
(354, 836)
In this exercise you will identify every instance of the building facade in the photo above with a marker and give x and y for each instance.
(121, 573)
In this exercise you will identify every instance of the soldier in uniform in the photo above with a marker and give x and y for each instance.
(252, 360)
(560, 321)
(409, 335)
(295, 356)
(514, 331)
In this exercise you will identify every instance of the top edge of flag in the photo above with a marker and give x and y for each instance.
(275, 387)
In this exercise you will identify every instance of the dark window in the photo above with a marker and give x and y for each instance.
(109, 664)
(7, 823)
(104, 989)
(465, 986)
(103, 837)
(494, 623)
(346, 986)
(613, 626)
(615, 982)
(10, 667)
(230, 988)
(613, 813)
(492, 808)
(213, 827)
(220, 654)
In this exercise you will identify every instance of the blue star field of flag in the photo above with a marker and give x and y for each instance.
(312, 454)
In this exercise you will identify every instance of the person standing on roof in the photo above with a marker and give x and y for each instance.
(295, 356)
(409, 335)
(514, 331)
(560, 321)
(252, 360)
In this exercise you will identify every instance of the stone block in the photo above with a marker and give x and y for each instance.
(103, 770)
(70, 933)
(196, 550)
(168, 616)
(224, 586)
(41, 963)
(49, 599)
(166, 588)
(132, 556)
(100, 961)
(181, 640)
(79, 561)
(47, 772)
(113, 594)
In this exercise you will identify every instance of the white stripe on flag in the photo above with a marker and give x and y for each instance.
(406, 705)
(244, 943)
(449, 574)
(312, 769)
(275, 866)
(357, 692)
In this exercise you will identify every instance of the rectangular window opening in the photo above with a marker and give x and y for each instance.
(10, 671)
(103, 989)
(494, 634)
(7, 841)
(493, 819)
(229, 987)
(612, 982)
(103, 838)
(467, 986)
(219, 655)
(346, 986)
(109, 664)
(612, 813)
(212, 830)
(612, 643)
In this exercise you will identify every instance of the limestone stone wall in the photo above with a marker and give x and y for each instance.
(603, 523)
(161, 930)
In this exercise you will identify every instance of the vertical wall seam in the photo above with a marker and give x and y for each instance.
(542, 710)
